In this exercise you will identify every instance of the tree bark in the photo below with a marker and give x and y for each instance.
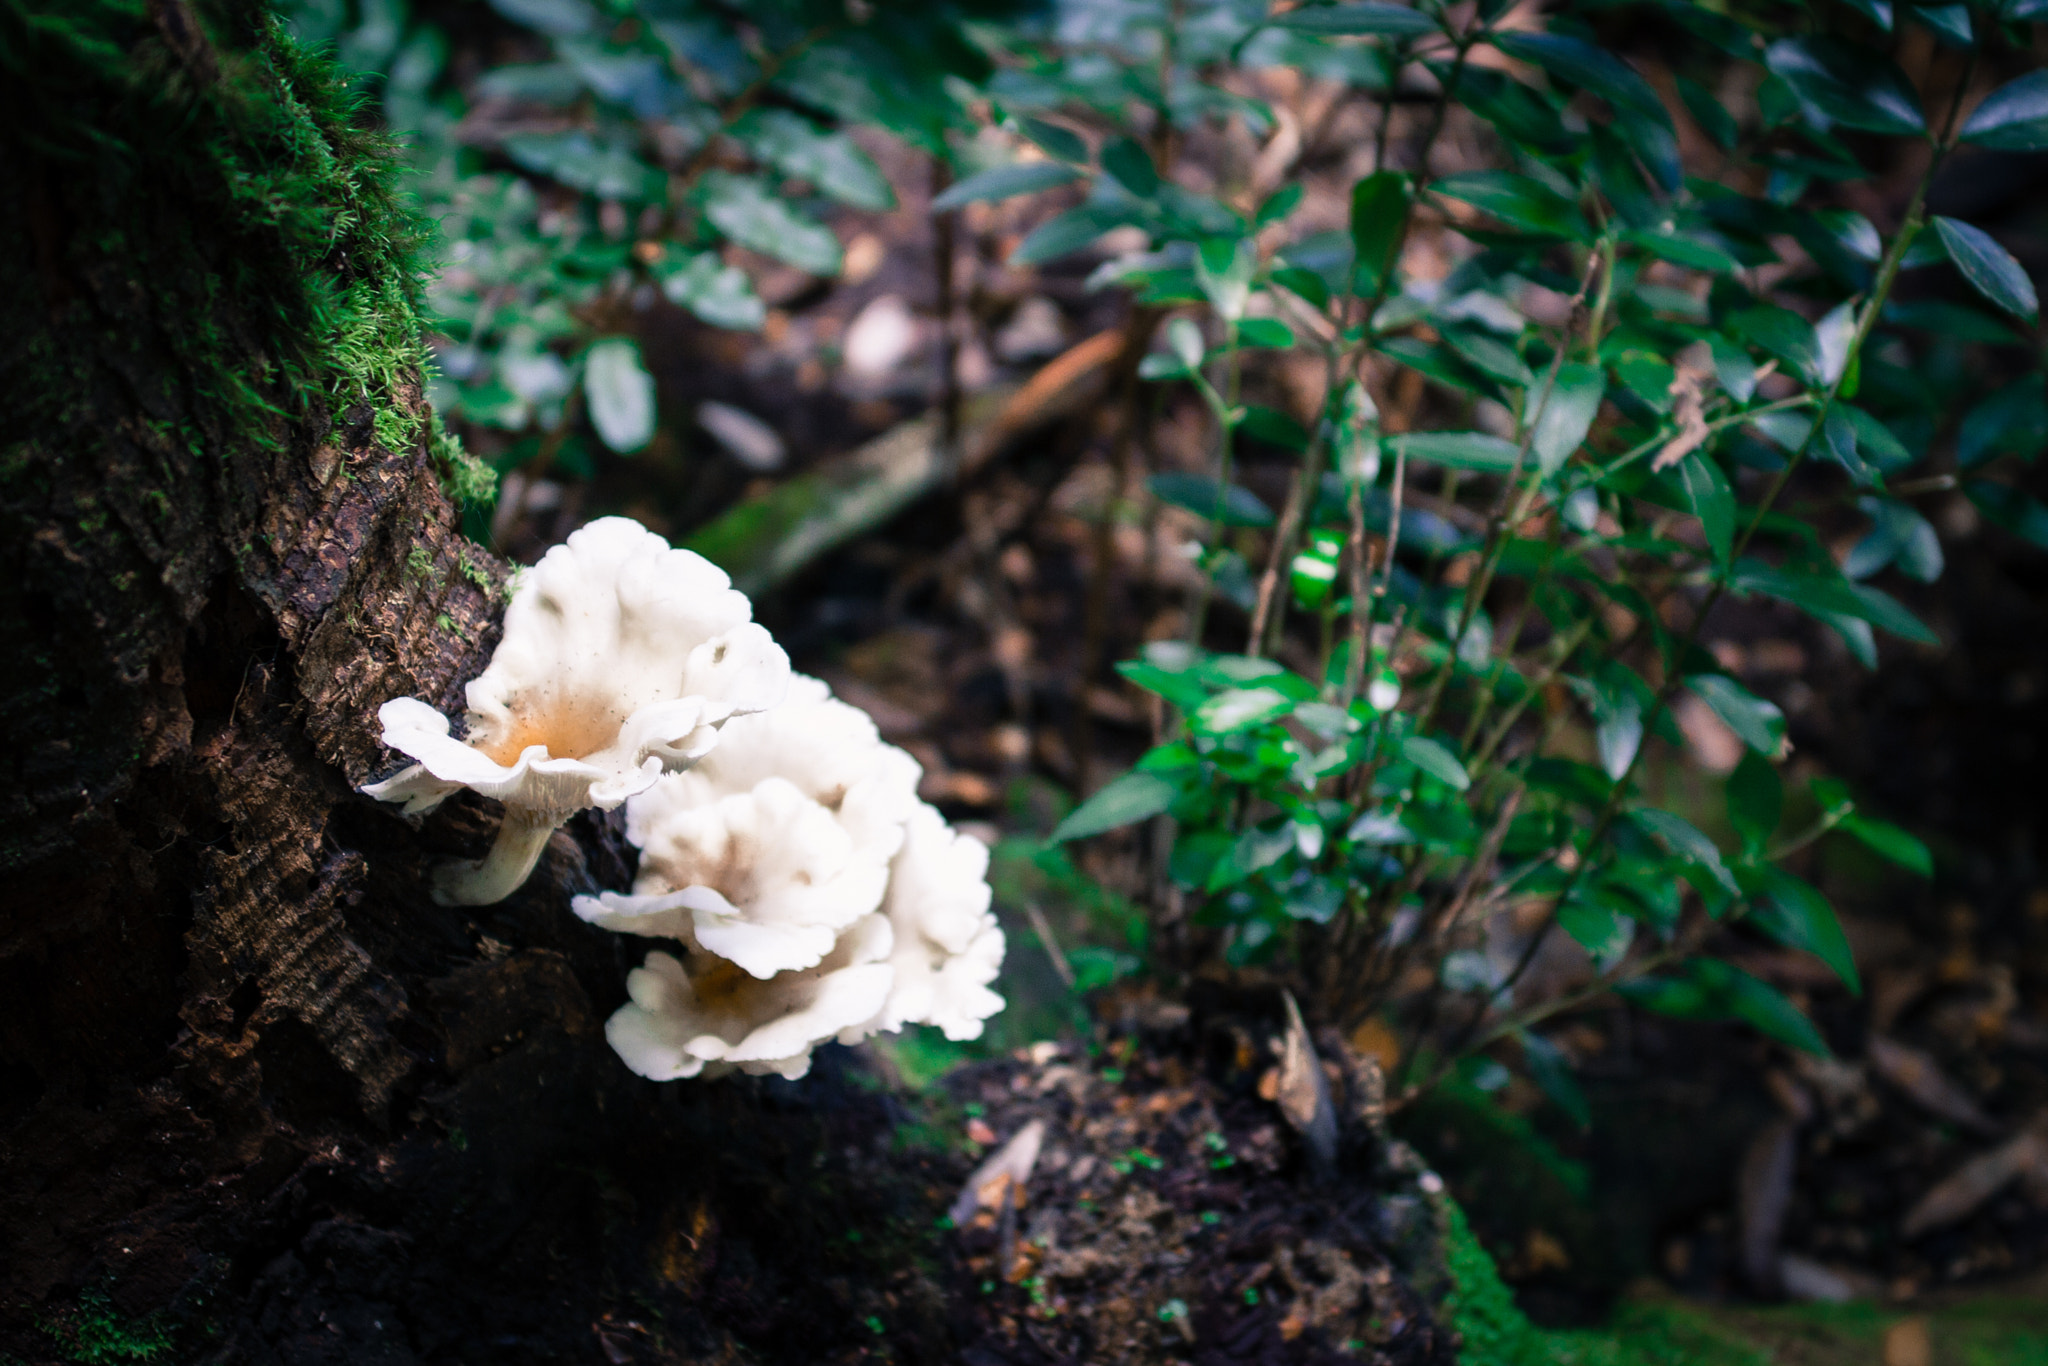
(260, 1098)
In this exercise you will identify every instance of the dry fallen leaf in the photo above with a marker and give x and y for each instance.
(1970, 1185)
(1304, 1093)
(1924, 1083)
(1000, 1180)
(1764, 1195)
(1688, 409)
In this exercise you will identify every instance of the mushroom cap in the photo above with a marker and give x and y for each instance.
(620, 660)
(686, 1016)
(947, 944)
(776, 842)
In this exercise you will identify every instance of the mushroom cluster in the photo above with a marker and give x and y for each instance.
(810, 894)
(813, 897)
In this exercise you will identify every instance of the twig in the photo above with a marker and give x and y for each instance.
(1043, 928)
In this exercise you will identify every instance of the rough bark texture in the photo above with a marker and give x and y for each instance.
(260, 1099)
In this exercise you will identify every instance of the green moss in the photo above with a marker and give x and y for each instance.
(93, 1333)
(1496, 1333)
(256, 211)
(2002, 1327)
(479, 577)
(464, 478)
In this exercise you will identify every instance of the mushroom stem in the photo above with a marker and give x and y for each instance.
(498, 874)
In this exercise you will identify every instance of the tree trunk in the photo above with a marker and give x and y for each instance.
(260, 1098)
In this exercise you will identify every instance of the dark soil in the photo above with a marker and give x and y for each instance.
(1173, 1217)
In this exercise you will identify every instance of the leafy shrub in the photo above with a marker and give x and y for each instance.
(1602, 478)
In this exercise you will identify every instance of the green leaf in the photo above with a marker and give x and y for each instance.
(1825, 594)
(1257, 848)
(1063, 143)
(1685, 840)
(1756, 800)
(1588, 67)
(1004, 182)
(1068, 233)
(619, 393)
(1265, 333)
(1179, 687)
(1764, 1008)
(556, 18)
(831, 161)
(1489, 355)
(1123, 800)
(1758, 722)
(1552, 1073)
(1683, 249)
(1951, 319)
(1567, 415)
(1379, 212)
(1435, 759)
(1373, 17)
(2012, 118)
(1899, 535)
(1379, 827)
(1733, 368)
(1131, 167)
(1203, 496)
(1618, 701)
(1460, 450)
(1278, 205)
(2006, 506)
(607, 170)
(1878, 443)
(1603, 931)
(1714, 990)
(1889, 841)
(720, 294)
(744, 211)
(1709, 113)
(1793, 913)
(1438, 362)
(1522, 116)
(1516, 200)
(1783, 334)
(1838, 443)
(1988, 267)
(1848, 85)
(2014, 419)
(1709, 497)
(1306, 283)
(1273, 427)
(1095, 966)
(1237, 709)
(1951, 23)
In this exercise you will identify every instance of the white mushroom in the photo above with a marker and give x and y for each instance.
(779, 840)
(798, 869)
(621, 659)
(709, 1014)
(948, 947)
